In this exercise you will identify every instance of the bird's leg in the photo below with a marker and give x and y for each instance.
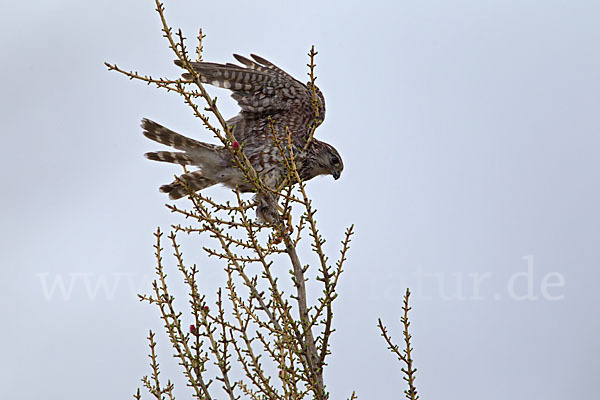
(289, 225)
(266, 208)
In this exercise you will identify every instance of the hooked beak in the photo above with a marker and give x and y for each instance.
(336, 174)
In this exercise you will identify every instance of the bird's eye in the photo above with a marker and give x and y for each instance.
(335, 160)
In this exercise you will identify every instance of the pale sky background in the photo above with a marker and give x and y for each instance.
(470, 135)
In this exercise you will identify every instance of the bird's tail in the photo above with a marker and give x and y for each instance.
(160, 134)
(192, 181)
(193, 152)
(174, 157)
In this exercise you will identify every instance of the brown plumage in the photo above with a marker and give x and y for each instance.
(263, 91)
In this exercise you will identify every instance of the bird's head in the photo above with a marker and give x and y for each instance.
(327, 160)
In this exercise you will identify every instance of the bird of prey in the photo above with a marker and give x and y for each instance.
(266, 94)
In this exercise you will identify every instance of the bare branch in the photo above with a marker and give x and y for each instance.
(406, 354)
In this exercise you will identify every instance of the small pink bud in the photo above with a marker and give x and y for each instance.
(235, 145)
(193, 329)
(206, 309)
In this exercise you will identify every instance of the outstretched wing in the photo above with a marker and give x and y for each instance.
(262, 89)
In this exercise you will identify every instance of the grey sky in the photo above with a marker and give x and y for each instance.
(469, 132)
